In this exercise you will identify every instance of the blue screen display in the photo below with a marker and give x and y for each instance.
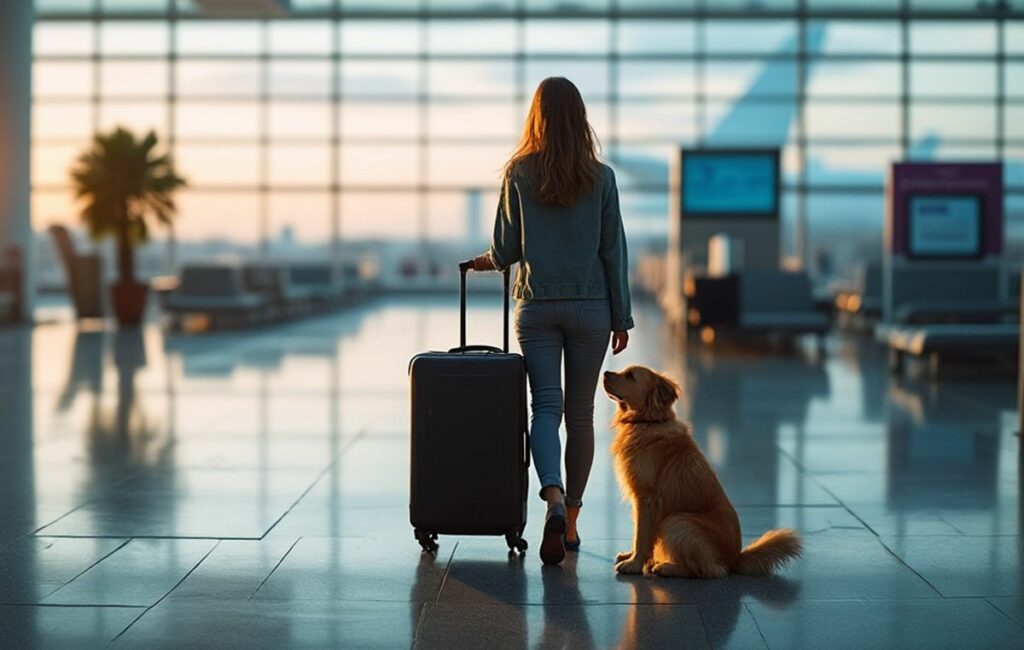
(730, 184)
(945, 225)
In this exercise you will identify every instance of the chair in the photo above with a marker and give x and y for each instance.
(216, 290)
(84, 275)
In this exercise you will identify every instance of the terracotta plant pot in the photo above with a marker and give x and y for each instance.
(129, 302)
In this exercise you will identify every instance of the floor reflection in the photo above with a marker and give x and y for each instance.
(255, 484)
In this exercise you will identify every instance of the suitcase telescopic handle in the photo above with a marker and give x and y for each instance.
(464, 268)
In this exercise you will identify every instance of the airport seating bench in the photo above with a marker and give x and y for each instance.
(273, 283)
(779, 302)
(318, 280)
(217, 291)
(937, 340)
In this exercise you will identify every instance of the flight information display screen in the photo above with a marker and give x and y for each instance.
(944, 225)
(730, 183)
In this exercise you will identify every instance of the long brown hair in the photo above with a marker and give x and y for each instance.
(560, 143)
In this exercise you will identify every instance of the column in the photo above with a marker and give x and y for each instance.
(15, 136)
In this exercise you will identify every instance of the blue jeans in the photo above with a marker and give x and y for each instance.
(545, 329)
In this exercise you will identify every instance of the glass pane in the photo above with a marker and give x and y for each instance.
(134, 6)
(952, 79)
(51, 163)
(379, 79)
(217, 119)
(590, 77)
(670, 120)
(62, 38)
(466, 217)
(218, 78)
(62, 79)
(391, 165)
(1013, 167)
(300, 224)
(52, 206)
(772, 126)
(952, 121)
(471, 78)
(219, 218)
(63, 120)
(1013, 121)
(133, 78)
(218, 165)
(471, 36)
(466, 165)
(380, 37)
(301, 37)
(300, 119)
(762, 36)
(473, 120)
(305, 78)
(731, 79)
(150, 37)
(139, 117)
(560, 6)
(299, 165)
(643, 166)
(651, 78)
(952, 37)
(656, 36)
(43, 6)
(373, 215)
(219, 37)
(1014, 37)
(1014, 79)
(378, 120)
(560, 37)
(953, 151)
(857, 165)
(852, 120)
(853, 78)
(855, 5)
(853, 37)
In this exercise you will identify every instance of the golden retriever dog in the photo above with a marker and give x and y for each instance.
(683, 523)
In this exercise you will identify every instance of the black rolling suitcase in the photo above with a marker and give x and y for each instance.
(470, 447)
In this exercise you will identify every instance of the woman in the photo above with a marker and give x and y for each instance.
(559, 219)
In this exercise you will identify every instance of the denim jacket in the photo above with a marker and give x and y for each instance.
(577, 251)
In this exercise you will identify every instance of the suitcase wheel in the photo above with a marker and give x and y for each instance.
(427, 540)
(516, 543)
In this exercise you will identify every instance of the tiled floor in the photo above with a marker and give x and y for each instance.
(248, 490)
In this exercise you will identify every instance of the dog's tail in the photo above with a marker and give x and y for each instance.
(769, 553)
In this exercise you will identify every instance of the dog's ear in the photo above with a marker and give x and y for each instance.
(661, 397)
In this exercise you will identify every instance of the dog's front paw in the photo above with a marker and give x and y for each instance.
(630, 566)
(623, 556)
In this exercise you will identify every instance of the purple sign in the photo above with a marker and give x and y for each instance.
(945, 209)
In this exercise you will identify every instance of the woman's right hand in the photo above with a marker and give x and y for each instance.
(619, 341)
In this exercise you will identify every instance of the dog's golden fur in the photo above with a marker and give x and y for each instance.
(683, 522)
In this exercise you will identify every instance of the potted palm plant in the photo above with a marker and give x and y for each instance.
(123, 184)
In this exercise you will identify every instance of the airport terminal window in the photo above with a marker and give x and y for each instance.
(656, 37)
(387, 126)
(471, 37)
(552, 36)
(379, 121)
(68, 120)
(135, 115)
(213, 78)
(300, 120)
(234, 165)
(380, 165)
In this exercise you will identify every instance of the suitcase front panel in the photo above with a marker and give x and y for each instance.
(469, 453)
